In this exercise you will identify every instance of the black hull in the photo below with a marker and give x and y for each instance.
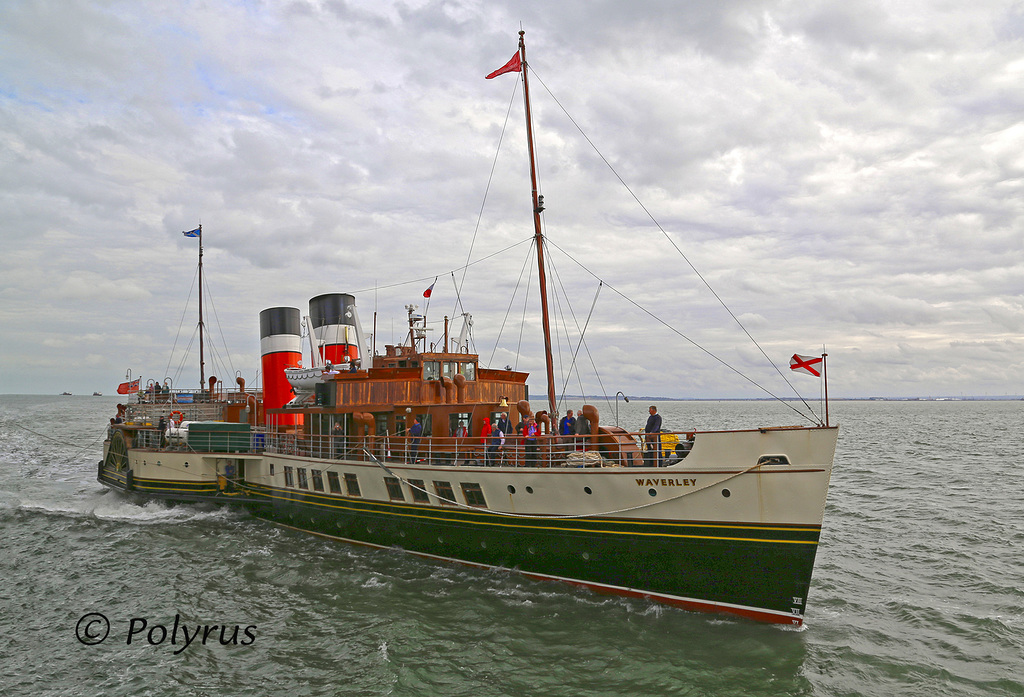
(760, 572)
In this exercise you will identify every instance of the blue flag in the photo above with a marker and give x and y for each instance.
(193, 233)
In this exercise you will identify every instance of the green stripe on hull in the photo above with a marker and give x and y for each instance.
(756, 566)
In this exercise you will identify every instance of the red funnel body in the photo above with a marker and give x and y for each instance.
(280, 348)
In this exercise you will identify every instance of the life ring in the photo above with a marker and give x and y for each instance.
(177, 417)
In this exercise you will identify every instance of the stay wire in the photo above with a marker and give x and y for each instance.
(511, 301)
(683, 336)
(181, 322)
(483, 203)
(675, 246)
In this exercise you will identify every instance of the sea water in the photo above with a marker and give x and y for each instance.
(918, 587)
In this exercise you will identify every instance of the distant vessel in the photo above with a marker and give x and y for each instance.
(394, 450)
(97, 394)
(65, 394)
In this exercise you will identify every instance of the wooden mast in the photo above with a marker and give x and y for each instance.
(538, 236)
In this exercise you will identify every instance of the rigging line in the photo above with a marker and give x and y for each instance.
(522, 322)
(683, 336)
(102, 434)
(487, 189)
(181, 322)
(583, 333)
(421, 279)
(593, 363)
(672, 242)
(572, 314)
(220, 329)
(458, 299)
(511, 300)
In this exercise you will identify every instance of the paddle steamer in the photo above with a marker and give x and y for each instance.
(399, 450)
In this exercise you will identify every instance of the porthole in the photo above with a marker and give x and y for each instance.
(652, 492)
(587, 489)
(726, 493)
(401, 533)
(483, 545)
(511, 489)
(586, 556)
(529, 490)
(440, 539)
(531, 550)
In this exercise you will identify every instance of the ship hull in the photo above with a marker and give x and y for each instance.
(713, 535)
(723, 531)
(758, 572)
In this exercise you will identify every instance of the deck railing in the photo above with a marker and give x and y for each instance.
(516, 451)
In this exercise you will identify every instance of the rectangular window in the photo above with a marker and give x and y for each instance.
(419, 494)
(394, 489)
(352, 484)
(318, 480)
(288, 480)
(271, 469)
(474, 495)
(303, 484)
(333, 483)
(468, 369)
(444, 493)
(431, 370)
(459, 425)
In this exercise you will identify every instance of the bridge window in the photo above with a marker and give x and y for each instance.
(333, 483)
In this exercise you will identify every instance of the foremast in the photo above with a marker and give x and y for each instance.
(202, 362)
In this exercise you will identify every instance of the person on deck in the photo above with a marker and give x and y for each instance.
(582, 431)
(530, 432)
(503, 423)
(494, 447)
(567, 427)
(338, 441)
(652, 452)
(414, 443)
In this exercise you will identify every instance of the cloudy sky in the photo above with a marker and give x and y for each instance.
(841, 174)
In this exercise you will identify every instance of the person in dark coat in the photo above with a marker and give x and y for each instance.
(652, 453)
(414, 443)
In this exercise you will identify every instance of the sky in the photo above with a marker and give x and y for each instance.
(726, 184)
